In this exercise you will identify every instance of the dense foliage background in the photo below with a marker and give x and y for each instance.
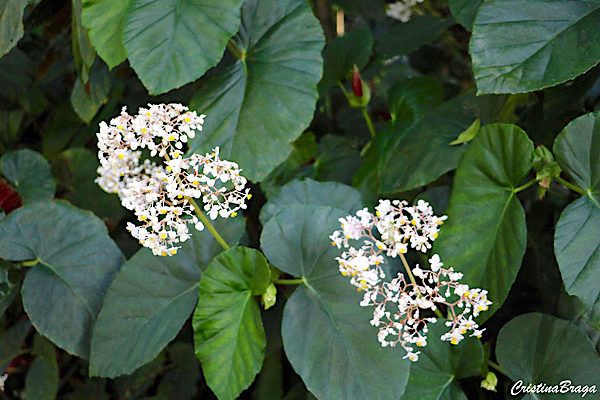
(484, 109)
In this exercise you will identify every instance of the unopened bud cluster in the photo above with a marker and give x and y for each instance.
(161, 194)
(400, 306)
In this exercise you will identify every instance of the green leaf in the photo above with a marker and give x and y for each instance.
(87, 99)
(30, 173)
(338, 160)
(259, 104)
(577, 235)
(536, 348)
(77, 260)
(83, 52)
(409, 99)
(183, 37)
(406, 37)
(11, 23)
(341, 54)
(11, 341)
(434, 376)
(104, 20)
(485, 236)
(228, 332)
(403, 157)
(41, 382)
(464, 11)
(307, 191)
(468, 134)
(76, 169)
(326, 334)
(150, 299)
(524, 45)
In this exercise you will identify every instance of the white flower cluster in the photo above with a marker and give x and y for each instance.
(402, 10)
(162, 195)
(400, 305)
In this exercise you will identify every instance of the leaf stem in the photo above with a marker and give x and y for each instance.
(497, 367)
(368, 119)
(238, 53)
(30, 263)
(414, 282)
(525, 186)
(289, 281)
(570, 185)
(207, 223)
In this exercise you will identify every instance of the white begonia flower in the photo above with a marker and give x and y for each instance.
(161, 195)
(399, 305)
(402, 10)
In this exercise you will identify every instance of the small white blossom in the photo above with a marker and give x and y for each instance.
(402, 10)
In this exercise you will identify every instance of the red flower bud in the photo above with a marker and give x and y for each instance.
(356, 83)
(9, 197)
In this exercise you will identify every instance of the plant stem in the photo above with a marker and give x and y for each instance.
(525, 186)
(289, 281)
(570, 185)
(368, 119)
(30, 263)
(238, 53)
(414, 282)
(496, 367)
(207, 223)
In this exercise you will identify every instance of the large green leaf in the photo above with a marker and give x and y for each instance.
(30, 173)
(173, 42)
(105, 20)
(11, 23)
(434, 376)
(326, 334)
(485, 235)
(307, 191)
(535, 348)
(464, 11)
(524, 45)
(228, 331)
(41, 382)
(577, 236)
(341, 54)
(403, 157)
(259, 104)
(149, 301)
(76, 261)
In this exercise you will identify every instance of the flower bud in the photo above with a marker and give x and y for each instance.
(361, 94)
(490, 382)
(269, 297)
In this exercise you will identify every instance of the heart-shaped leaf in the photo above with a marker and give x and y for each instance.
(263, 101)
(538, 348)
(326, 334)
(228, 331)
(150, 299)
(183, 37)
(577, 235)
(485, 235)
(524, 45)
(76, 261)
